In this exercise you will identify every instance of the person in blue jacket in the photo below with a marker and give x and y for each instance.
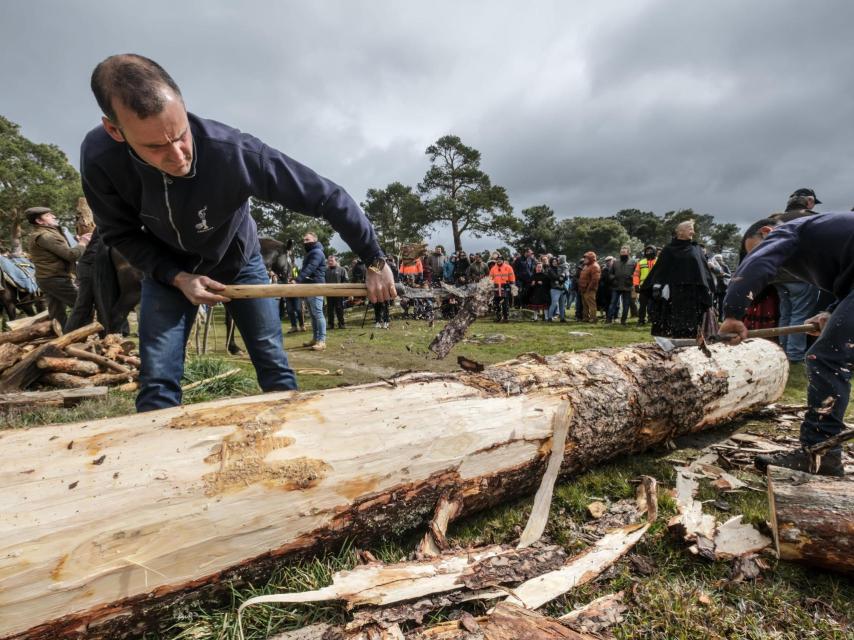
(818, 250)
(313, 271)
(170, 191)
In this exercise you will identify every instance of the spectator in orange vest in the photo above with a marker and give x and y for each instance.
(502, 277)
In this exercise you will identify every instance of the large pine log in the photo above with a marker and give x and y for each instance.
(103, 524)
(812, 518)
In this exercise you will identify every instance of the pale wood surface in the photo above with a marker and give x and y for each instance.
(182, 494)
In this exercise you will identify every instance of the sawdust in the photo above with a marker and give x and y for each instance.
(299, 473)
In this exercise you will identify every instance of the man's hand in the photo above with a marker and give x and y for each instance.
(821, 320)
(199, 289)
(734, 327)
(380, 285)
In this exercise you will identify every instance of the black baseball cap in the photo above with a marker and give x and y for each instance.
(805, 192)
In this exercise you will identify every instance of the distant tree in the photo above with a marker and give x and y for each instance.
(32, 175)
(398, 216)
(274, 221)
(579, 235)
(538, 230)
(459, 193)
(643, 225)
(725, 237)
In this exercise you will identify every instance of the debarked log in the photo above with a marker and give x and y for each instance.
(812, 518)
(105, 524)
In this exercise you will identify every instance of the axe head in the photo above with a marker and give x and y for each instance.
(669, 344)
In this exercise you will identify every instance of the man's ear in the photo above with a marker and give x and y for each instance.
(112, 129)
(766, 230)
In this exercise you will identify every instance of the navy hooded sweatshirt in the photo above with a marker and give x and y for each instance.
(200, 223)
(817, 249)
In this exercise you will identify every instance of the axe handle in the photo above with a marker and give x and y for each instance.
(773, 331)
(343, 290)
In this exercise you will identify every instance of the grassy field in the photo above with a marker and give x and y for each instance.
(681, 598)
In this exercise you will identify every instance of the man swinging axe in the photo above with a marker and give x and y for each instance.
(818, 250)
(170, 191)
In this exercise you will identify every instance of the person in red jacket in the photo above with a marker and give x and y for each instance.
(502, 277)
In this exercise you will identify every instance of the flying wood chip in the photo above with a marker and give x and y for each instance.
(469, 365)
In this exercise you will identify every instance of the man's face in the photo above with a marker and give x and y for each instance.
(331, 262)
(163, 140)
(308, 239)
(624, 252)
(529, 253)
(48, 220)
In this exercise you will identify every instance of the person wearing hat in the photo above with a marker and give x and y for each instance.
(54, 260)
(798, 300)
(170, 191)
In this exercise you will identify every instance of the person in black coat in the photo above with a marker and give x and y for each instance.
(539, 294)
(681, 286)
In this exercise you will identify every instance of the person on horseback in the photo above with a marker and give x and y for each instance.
(170, 191)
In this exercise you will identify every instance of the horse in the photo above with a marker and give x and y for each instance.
(15, 296)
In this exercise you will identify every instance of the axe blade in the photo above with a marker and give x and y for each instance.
(669, 344)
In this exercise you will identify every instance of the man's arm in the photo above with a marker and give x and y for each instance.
(293, 185)
(58, 247)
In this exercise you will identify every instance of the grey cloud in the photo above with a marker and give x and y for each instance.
(588, 107)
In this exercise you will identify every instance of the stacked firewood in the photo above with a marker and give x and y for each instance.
(40, 355)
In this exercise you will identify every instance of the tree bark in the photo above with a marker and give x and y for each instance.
(10, 353)
(124, 517)
(54, 398)
(812, 518)
(25, 334)
(23, 374)
(67, 365)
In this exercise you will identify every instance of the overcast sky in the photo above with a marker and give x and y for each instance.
(588, 107)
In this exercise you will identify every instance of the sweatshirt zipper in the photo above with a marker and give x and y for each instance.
(166, 182)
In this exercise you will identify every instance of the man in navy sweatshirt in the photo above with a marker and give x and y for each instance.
(314, 271)
(818, 250)
(169, 190)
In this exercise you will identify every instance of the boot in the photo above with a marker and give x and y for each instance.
(799, 460)
(318, 346)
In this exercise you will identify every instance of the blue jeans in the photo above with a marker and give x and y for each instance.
(166, 318)
(318, 320)
(558, 304)
(797, 300)
(829, 362)
(294, 307)
(616, 296)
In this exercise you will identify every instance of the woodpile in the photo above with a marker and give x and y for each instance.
(39, 355)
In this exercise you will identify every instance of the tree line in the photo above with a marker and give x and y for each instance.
(455, 192)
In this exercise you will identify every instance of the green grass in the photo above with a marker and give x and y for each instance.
(788, 602)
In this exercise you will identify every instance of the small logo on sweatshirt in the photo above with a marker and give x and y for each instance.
(202, 226)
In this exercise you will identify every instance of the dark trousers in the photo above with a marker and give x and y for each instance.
(502, 304)
(618, 298)
(295, 314)
(60, 293)
(829, 362)
(84, 307)
(334, 307)
(381, 312)
(644, 301)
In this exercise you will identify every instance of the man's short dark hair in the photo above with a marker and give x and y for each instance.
(136, 81)
(753, 231)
